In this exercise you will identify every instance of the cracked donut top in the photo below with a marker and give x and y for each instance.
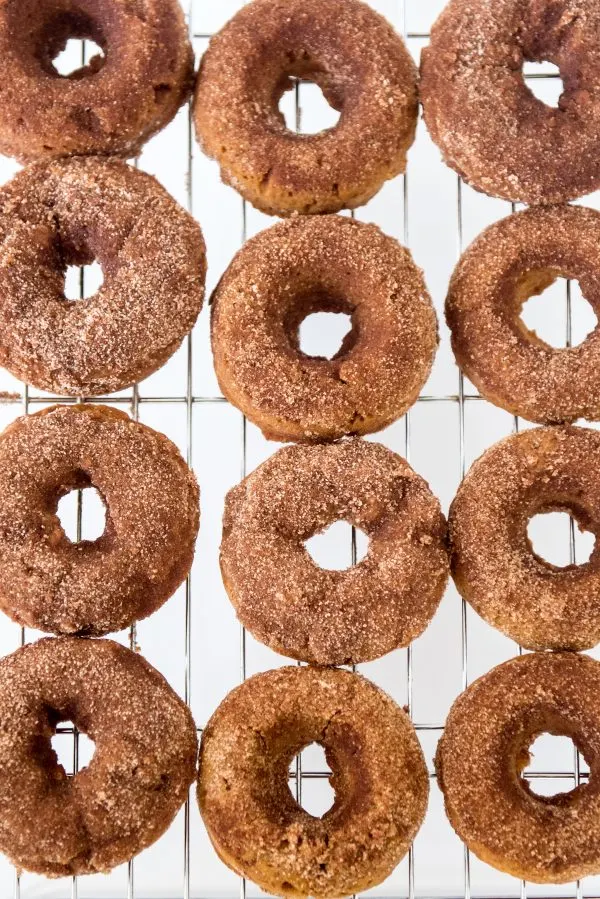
(115, 102)
(152, 254)
(311, 264)
(365, 72)
(144, 759)
(379, 777)
(480, 111)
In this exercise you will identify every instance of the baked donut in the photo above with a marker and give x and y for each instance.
(379, 777)
(334, 617)
(143, 765)
(495, 568)
(489, 126)
(125, 94)
(322, 264)
(484, 749)
(364, 70)
(513, 260)
(146, 550)
(70, 212)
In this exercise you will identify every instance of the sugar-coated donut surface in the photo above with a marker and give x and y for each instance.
(70, 212)
(112, 105)
(322, 263)
(479, 110)
(484, 749)
(146, 550)
(539, 605)
(365, 72)
(379, 777)
(334, 617)
(144, 760)
(514, 259)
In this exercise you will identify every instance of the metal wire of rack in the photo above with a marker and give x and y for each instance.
(186, 396)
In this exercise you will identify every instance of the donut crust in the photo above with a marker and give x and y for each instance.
(379, 777)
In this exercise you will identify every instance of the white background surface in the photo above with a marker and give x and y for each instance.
(438, 439)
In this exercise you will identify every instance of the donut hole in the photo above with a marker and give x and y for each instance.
(321, 325)
(83, 281)
(316, 795)
(338, 548)
(549, 534)
(70, 511)
(305, 108)
(71, 61)
(542, 78)
(74, 749)
(544, 762)
(553, 311)
(322, 334)
(70, 44)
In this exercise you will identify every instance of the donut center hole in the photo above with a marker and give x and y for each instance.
(322, 334)
(339, 547)
(74, 749)
(78, 58)
(309, 782)
(82, 515)
(83, 281)
(546, 765)
(553, 537)
(544, 81)
(304, 107)
(554, 310)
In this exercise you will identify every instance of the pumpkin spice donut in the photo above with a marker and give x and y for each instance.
(334, 617)
(123, 96)
(513, 260)
(138, 779)
(480, 112)
(364, 71)
(495, 568)
(318, 264)
(146, 549)
(484, 749)
(379, 777)
(70, 212)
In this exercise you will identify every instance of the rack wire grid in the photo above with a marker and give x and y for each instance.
(194, 639)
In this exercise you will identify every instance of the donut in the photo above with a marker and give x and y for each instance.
(379, 777)
(151, 499)
(494, 565)
(322, 264)
(125, 94)
(144, 760)
(334, 617)
(365, 72)
(513, 260)
(70, 212)
(488, 124)
(484, 749)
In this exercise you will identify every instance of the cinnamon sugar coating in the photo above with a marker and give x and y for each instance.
(510, 365)
(484, 749)
(480, 112)
(539, 605)
(144, 761)
(146, 550)
(111, 106)
(70, 212)
(324, 263)
(379, 777)
(334, 617)
(364, 71)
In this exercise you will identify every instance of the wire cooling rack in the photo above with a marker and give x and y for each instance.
(194, 639)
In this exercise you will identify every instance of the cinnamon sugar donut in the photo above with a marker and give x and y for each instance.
(379, 777)
(484, 749)
(480, 112)
(70, 212)
(334, 617)
(125, 94)
(143, 765)
(306, 265)
(146, 550)
(539, 605)
(511, 366)
(364, 71)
